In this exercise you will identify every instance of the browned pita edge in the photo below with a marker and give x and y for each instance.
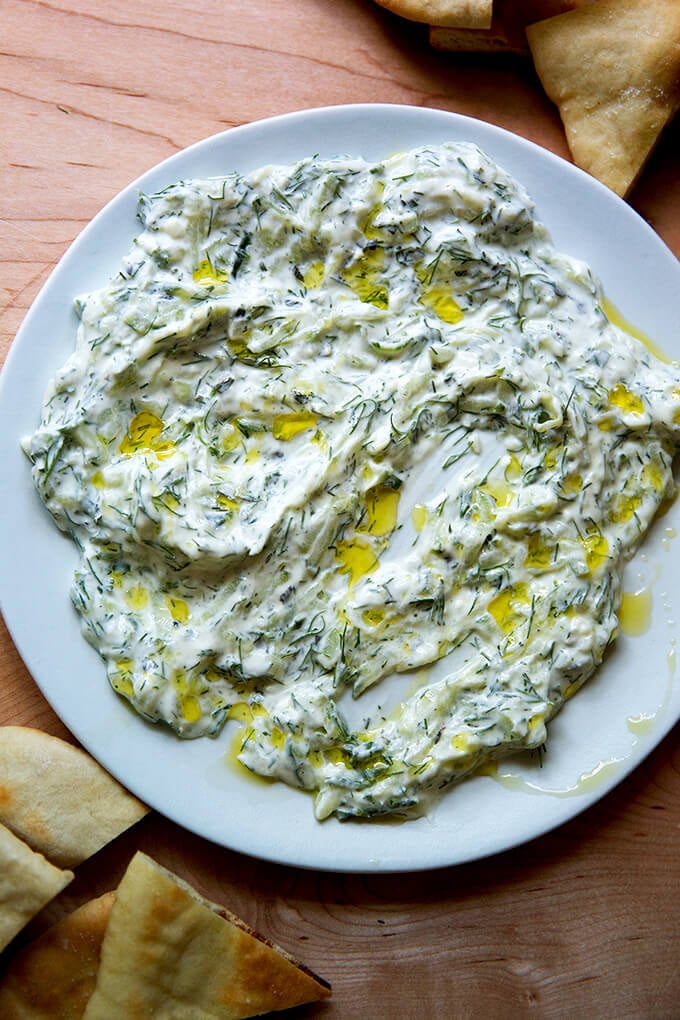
(27, 883)
(454, 13)
(507, 32)
(167, 950)
(55, 975)
(322, 988)
(58, 799)
(613, 70)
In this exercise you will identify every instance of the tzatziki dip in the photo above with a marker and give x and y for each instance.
(343, 427)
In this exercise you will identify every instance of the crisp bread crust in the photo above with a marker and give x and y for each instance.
(168, 950)
(58, 799)
(452, 13)
(613, 70)
(55, 975)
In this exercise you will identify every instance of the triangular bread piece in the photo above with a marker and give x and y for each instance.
(455, 13)
(506, 30)
(57, 798)
(55, 975)
(168, 952)
(613, 70)
(27, 883)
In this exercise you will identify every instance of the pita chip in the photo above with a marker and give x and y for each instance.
(55, 975)
(506, 31)
(454, 13)
(27, 883)
(57, 798)
(168, 952)
(613, 70)
(499, 38)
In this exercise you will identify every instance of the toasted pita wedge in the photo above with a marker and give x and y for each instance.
(613, 70)
(497, 39)
(455, 13)
(55, 975)
(506, 33)
(27, 883)
(58, 799)
(169, 953)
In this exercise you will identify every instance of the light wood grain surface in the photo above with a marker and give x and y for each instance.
(583, 921)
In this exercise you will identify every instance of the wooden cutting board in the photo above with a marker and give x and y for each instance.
(583, 920)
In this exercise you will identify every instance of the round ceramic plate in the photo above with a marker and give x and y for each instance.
(599, 737)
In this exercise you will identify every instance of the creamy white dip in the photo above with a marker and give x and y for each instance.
(339, 421)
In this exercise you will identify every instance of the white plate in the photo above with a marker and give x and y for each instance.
(190, 782)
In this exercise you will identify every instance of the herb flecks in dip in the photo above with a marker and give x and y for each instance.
(336, 422)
